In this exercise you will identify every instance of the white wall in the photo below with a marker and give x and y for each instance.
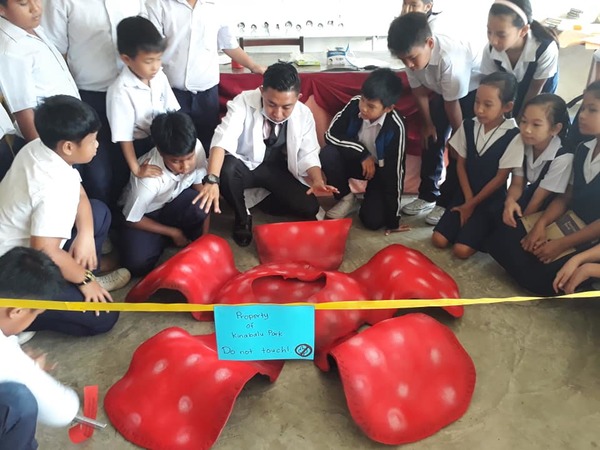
(342, 19)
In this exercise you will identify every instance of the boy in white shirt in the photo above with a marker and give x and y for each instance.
(31, 68)
(6, 155)
(28, 394)
(44, 206)
(160, 209)
(449, 69)
(85, 32)
(140, 93)
(196, 30)
(267, 140)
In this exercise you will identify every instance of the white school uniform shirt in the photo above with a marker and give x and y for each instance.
(57, 404)
(131, 105)
(559, 172)
(194, 37)
(240, 133)
(6, 125)
(146, 195)
(546, 67)
(39, 196)
(591, 168)
(31, 68)
(368, 133)
(453, 69)
(86, 32)
(512, 157)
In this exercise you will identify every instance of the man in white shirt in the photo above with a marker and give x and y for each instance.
(160, 210)
(196, 30)
(85, 31)
(28, 394)
(31, 68)
(270, 142)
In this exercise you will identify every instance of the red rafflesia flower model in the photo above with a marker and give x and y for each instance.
(299, 264)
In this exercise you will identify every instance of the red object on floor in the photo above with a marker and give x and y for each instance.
(177, 394)
(405, 378)
(401, 272)
(204, 273)
(321, 244)
(80, 433)
(297, 282)
(198, 271)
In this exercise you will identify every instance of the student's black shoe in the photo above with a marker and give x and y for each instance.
(242, 231)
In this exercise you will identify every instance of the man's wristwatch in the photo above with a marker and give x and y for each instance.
(89, 277)
(211, 179)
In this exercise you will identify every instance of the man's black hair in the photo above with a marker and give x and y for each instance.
(174, 133)
(137, 34)
(383, 85)
(26, 273)
(282, 77)
(408, 31)
(64, 118)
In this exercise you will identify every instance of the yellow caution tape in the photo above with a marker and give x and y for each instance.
(344, 305)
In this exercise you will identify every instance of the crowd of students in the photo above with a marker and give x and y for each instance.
(116, 127)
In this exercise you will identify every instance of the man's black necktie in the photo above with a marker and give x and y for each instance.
(272, 136)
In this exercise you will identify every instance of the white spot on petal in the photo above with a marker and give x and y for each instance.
(356, 341)
(354, 316)
(160, 366)
(422, 282)
(175, 334)
(449, 395)
(436, 356)
(222, 374)
(273, 287)
(185, 404)
(395, 274)
(186, 269)
(299, 294)
(366, 275)
(388, 259)
(397, 337)
(183, 437)
(333, 297)
(294, 229)
(374, 356)
(438, 276)
(361, 385)
(396, 419)
(320, 231)
(412, 260)
(331, 317)
(215, 247)
(206, 257)
(403, 390)
(193, 359)
(134, 419)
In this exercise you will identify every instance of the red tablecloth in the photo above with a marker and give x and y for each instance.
(331, 91)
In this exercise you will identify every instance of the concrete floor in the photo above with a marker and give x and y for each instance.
(538, 367)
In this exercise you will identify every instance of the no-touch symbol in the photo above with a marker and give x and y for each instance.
(303, 350)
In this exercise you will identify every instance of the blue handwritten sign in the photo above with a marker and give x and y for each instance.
(261, 332)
